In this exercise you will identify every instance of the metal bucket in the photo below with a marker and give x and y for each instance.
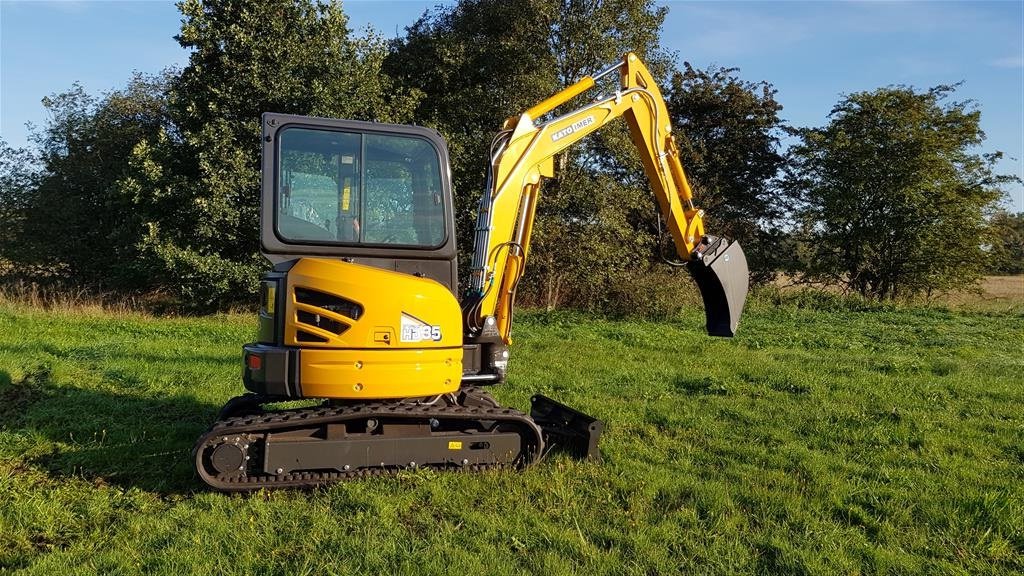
(720, 270)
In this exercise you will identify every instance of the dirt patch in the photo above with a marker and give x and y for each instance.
(992, 290)
(1007, 287)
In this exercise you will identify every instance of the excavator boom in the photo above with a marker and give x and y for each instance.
(522, 155)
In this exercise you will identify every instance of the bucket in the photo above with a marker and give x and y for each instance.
(720, 270)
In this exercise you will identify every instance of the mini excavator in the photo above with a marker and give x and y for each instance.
(361, 310)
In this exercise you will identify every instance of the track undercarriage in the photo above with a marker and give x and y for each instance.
(249, 447)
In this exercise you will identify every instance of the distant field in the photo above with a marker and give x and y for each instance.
(825, 438)
(992, 292)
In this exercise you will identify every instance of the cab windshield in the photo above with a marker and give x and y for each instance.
(351, 188)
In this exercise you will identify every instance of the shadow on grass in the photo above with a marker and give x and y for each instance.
(699, 386)
(130, 441)
(102, 352)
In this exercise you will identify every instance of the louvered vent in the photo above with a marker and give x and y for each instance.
(322, 322)
(303, 336)
(335, 304)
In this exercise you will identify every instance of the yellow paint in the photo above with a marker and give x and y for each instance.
(268, 306)
(370, 359)
(562, 97)
(372, 374)
(384, 295)
(528, 157)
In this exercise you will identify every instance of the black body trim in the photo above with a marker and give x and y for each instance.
(278, 374)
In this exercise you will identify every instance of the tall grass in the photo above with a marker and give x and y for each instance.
(73, 299)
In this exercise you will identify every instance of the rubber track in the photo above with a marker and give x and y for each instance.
(317, 416)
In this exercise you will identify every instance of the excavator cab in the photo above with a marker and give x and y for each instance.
(370, 193)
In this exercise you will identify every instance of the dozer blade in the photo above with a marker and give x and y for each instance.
(566, 429)
(720, 271)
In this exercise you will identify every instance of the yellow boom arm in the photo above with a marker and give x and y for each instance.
(522, 154)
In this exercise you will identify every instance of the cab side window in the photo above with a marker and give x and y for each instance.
(318, 181)
(351, 188)
(403, 192)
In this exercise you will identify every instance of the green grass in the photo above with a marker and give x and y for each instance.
(881, 440)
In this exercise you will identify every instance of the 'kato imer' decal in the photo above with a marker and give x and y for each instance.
(416, 330)
(574, 127)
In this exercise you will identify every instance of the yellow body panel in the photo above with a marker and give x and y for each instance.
(385, 296)
(406, 342)
(373, 374)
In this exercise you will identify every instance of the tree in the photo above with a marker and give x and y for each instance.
(481, 61)
(475, 63)
(74, 225)
(728, 132)
(200, 179)
(18, 179)
(1006, 243)
(892, 195)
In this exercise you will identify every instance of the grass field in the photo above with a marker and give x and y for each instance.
(825, 438)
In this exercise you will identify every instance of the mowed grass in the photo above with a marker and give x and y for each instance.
(825, 438)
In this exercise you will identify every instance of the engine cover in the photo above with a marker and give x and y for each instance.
(359, 332)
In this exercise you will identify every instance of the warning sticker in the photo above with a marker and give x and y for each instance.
(454, 445)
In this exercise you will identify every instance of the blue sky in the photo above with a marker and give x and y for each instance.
(812, 52)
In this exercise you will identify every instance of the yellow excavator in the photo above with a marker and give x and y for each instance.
(361, 309)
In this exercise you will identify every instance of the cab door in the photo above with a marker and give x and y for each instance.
(372, 193)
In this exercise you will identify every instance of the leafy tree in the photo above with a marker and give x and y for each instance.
(201, 178)
(476, 63)
(481, 61)
(74, 224)
(18, 180)
(892, 195)
(1006, 243)
(728, 132)
(157, 185)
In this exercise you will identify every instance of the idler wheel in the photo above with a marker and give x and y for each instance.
(227, 458)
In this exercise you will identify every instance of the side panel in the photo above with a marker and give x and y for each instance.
(335, 304)
(359, 374)
(358, 332)
(373, 374)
